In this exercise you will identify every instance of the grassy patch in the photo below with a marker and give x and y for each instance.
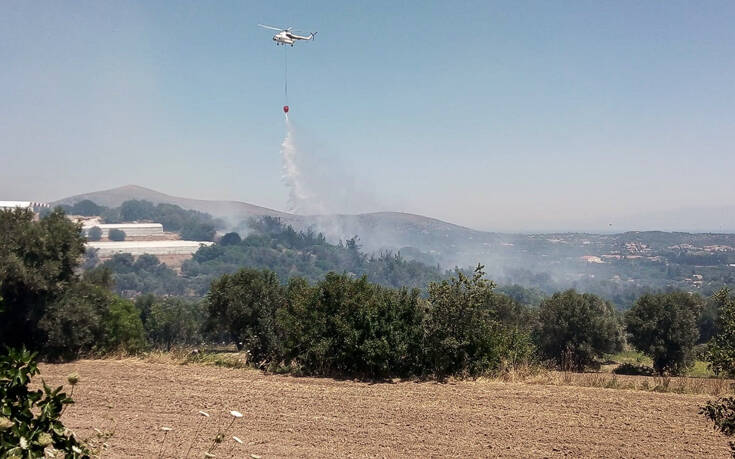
(699, 370)
(186, 357)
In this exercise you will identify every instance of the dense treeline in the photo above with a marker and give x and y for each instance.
(270, 245)
(289, 253)
(338, 324)
(349, 326)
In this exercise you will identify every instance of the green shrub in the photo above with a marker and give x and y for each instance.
(664, 327)
(73, 324)
(464, 335)
(722, 413)
(37, 262)
(231, 239)
(116, 235)
(123, 329)
(173, 322)
(721, 354)
(577, 329)
(243, 305)
(351, 327)
(198, 231)
(29, 420)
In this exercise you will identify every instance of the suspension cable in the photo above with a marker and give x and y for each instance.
(285, 72)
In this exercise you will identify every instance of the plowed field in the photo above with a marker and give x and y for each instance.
(308, 417)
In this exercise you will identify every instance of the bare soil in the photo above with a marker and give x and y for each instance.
(308, 417)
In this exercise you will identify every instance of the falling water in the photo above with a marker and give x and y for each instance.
(302, 200)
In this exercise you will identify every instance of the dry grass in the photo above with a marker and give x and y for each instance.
(529, 374)
(189, 357)
(678, 385)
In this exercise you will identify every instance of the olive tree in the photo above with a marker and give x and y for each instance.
(663, 326)
(243, 305)
(576, 329)
(37, 262)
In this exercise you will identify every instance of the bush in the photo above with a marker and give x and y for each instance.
(123, 329)
(116, 235)
(722, 413)
(350, 327)
(633, 370)
(577, 329)
(94, 233)
(73, 324)
(88, 318)
(721, 354)
(230, 239)
(461, 330)
(664, 327)
(244, 305)
(173, 322)
(37, 262)
(29, 420)
(198, 232)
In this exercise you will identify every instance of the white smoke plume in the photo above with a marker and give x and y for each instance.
(319, 182)
(302, 200)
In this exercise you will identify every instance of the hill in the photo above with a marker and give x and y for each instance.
(377, 231)
(224, 209)
(616, 266)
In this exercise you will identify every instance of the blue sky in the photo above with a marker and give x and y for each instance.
(496, 115)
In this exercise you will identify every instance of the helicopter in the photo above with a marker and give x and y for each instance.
(286, 37)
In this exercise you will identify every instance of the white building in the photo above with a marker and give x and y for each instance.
(135, 248)
(130, 229)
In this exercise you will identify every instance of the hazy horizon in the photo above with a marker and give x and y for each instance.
(532, 117)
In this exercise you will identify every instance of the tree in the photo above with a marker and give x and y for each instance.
(37, 262)
(123, 329)
(194, 231)
(174, 321)
(116, 235)
(86, 208)
(137, 211)
(230, 239)
(73, 323)
(346, 326)
(94, 233)
(721, 352)
(244, 305)
(576, 329)
(464, 333)
(664, 327)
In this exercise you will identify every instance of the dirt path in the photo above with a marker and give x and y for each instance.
(286, 416)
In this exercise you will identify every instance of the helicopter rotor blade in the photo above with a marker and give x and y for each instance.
(271, 28)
